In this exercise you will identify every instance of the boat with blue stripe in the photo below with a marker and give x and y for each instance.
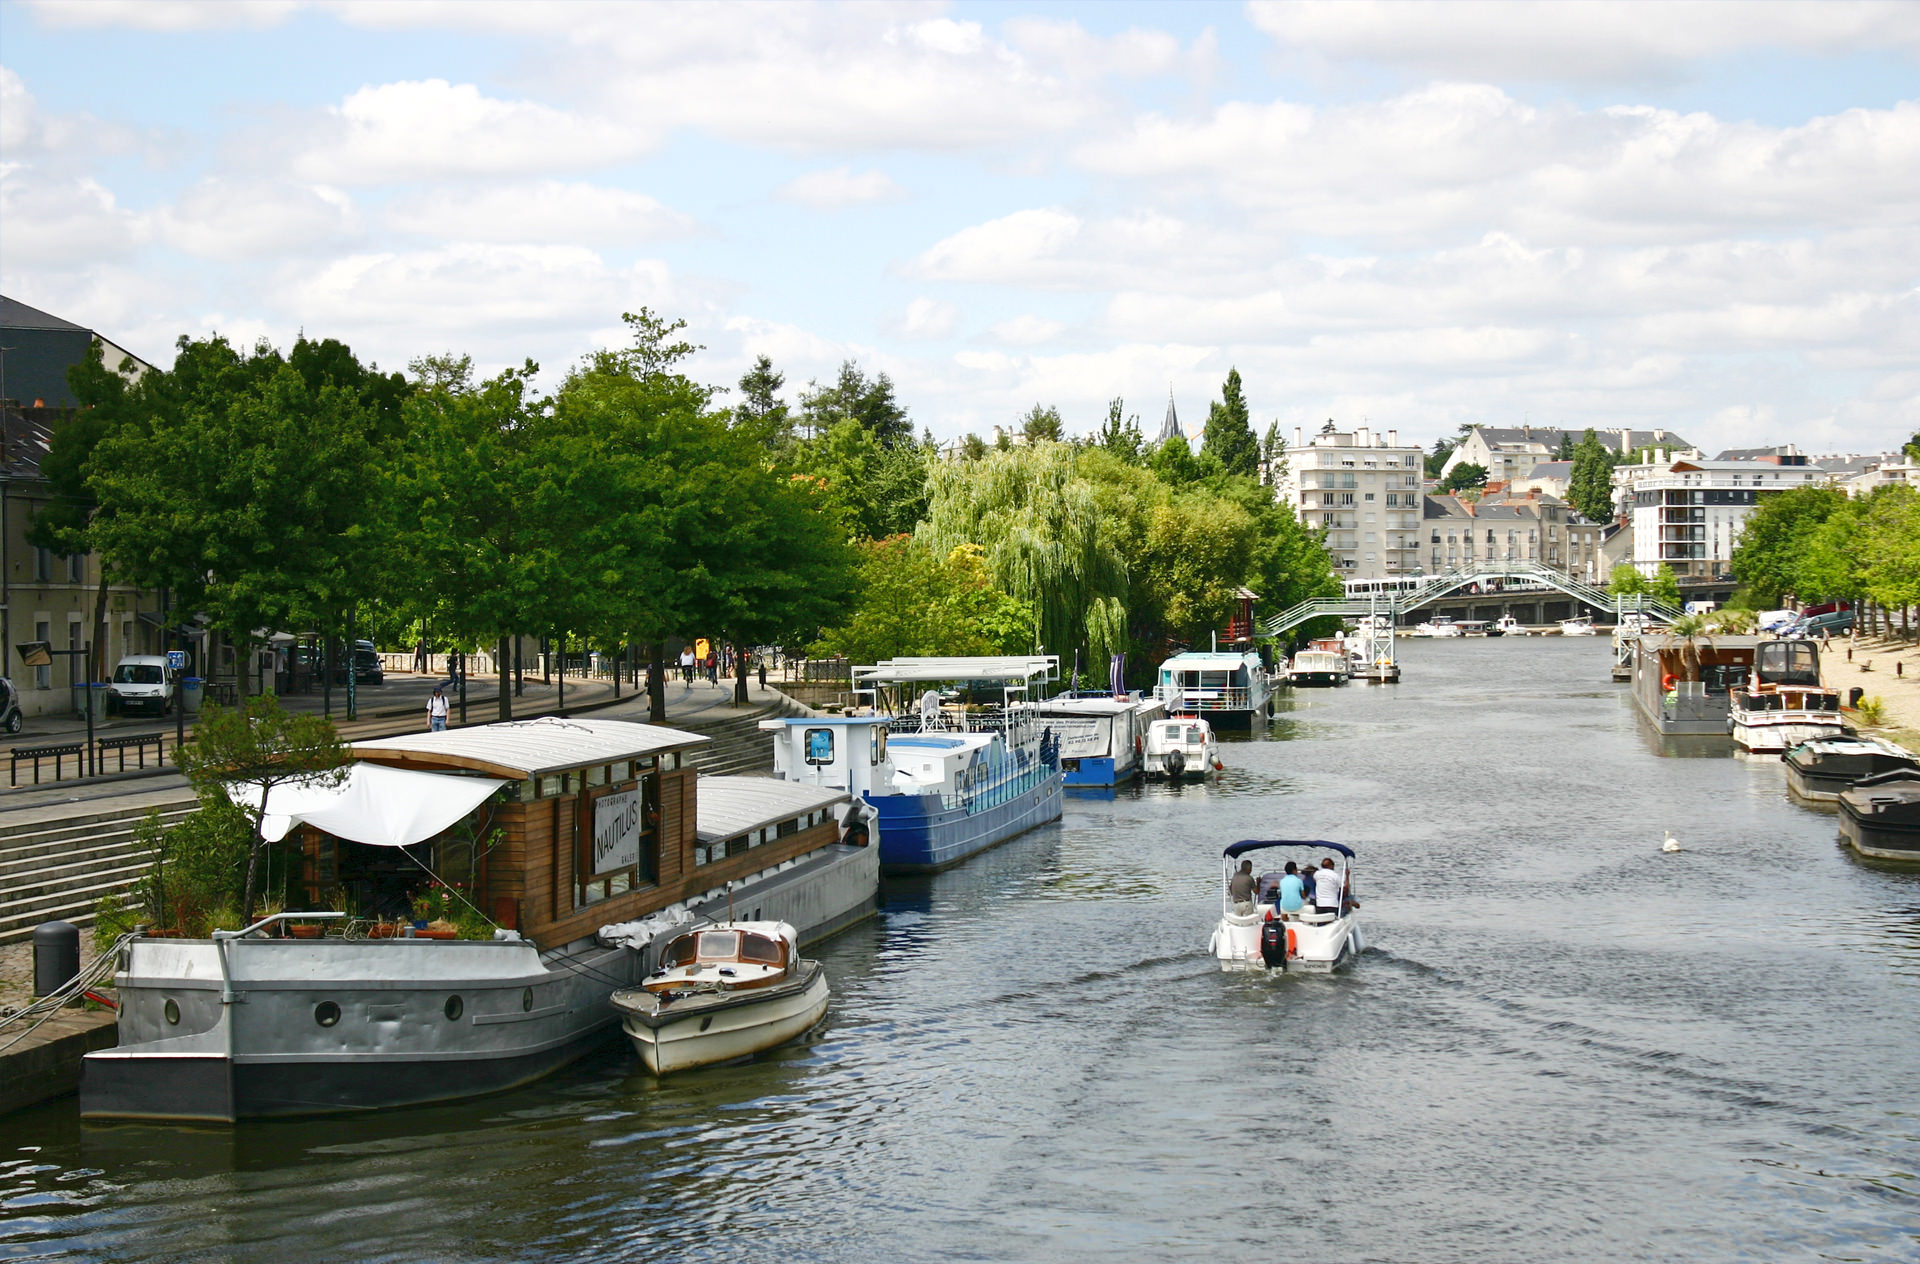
(958, 769)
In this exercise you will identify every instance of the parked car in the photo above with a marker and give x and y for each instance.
(1836, 622)
(142, 683)
(367, 668)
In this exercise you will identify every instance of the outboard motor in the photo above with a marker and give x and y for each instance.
(1273, 944)
(1176, 762)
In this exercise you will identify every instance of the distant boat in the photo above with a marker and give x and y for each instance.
(1229, 689)
(1099, 739)
(1318, 668)
(1577, 627)
(1183, 749)
(1880, 816)
(1439, 625)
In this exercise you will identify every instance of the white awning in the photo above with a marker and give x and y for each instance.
(387, 807)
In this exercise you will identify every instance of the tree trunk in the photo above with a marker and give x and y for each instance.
(242, 652)
(254, 844)
(740, 676)
(505, 678)
(657, 682)
(98, 667)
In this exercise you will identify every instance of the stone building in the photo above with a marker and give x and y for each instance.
(1363, 489)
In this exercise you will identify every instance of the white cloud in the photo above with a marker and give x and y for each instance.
(837, 187)
(545, 211)
(1026, 330)
(165, 15)
(432, 128)
(926, 318)
(19, 119)
(1577, 40)
(229, 219)
(56, 222)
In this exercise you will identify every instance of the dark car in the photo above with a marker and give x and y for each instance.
(367, 668)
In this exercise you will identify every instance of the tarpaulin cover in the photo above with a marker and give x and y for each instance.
(388, 807)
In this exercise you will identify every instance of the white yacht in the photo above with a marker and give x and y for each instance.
(1272, 937)
(1319, 667)
(1507, 625)
(1577, 627)
(722, 993)
(1783, 703)
(1439, 625)
(1181, 750)
(1230, 689)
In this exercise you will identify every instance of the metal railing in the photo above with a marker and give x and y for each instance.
(1226, 698)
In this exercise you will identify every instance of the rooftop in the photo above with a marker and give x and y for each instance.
(734, 805)
(521, 749)
(931, 670)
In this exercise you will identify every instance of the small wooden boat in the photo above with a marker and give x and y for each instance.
(722, 993)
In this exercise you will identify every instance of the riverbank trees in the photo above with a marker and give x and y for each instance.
(1818, 544)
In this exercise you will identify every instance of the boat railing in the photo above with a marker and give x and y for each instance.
(1689, 700)
(999, 790)
(1016, 728)
(1224, 698)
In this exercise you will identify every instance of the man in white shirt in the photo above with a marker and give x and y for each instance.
(1326, 888)
(437, 712)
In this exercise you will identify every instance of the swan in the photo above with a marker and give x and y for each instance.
(1670, 843)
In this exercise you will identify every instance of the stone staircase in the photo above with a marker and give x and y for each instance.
(738, 745)
(58, 869)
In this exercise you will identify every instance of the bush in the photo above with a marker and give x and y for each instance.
(194, 886)
(1871, 712)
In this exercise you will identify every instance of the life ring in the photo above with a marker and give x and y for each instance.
(1667, 681)
(1293, 943)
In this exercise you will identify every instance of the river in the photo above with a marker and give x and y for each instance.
(1561, 1043)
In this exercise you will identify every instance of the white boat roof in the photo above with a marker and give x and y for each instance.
(931, 670)
(519, 749)
(1083, 706)
(734, 805)
(1203, 657)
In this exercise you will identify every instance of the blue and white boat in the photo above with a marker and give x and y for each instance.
(1228, 689)
(958, 769)
(1099, 739)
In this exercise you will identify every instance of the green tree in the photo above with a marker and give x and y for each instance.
(915, 601)
(1626, 580)
(1273, 456)
(973, 447)
(1041, 425)
(761, 410)
(1173, 462)
(1888, 548)
(1776, 538)
(1121, 434)
(1465, 476)
(1565, 451)
(1437, 459)
(1590, 481)
(1229, 436)
(242, 754)
(854, 397)
(1664, 587)
(880, 491)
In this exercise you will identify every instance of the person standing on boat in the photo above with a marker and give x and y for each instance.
(1326, 888)
(1240, 889)
(437, 711)
(1293, 890)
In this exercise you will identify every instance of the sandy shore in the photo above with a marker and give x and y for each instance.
(1873, 669)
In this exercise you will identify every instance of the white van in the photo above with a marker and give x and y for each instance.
(142, 682)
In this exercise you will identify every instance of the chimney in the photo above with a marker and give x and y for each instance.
(39, 403)
(1362, 438)
(1299, 438)
(1393, 438)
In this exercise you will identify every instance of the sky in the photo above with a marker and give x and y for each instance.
(1703, 217)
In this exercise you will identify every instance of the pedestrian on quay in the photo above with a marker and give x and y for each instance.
(686, 664)
(760, 660)
(437, 710)
(713, 668)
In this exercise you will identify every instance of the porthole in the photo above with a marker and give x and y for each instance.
(526, 1000)
(172, 1011)
(326, 1013)
(454, 1008)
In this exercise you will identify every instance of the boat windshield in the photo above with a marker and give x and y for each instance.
(760, 948)
(720, 945)
(680, 951)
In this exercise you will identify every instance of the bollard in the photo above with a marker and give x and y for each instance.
(1854, 695)
(56, 956)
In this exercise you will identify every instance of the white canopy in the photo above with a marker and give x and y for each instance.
(388, 807)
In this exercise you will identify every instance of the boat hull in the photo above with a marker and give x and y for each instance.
(1095, 772)
(1777, 732)
(1317, 680)
(1876, 840)
(706, 1031)
(1322, 947)
(922, 834)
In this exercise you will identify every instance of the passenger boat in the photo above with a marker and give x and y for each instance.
(1473, 627)
(962, 769)
(1784, 704)
(1099, 739)
(1685, 686)
(722, 993)
(605, 846)
(1271, 938)
(1577, 627)
(1228, 689)
(1318, 668)
(1439, 625)
(1880, 815)
(1183, 749)
(1818, 770)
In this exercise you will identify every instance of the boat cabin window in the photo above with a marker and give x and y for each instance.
(680, 951)
(1788, 663)
(760, 948)
(819, 746)
(1193, 735)
(719, 945)
(877, 748)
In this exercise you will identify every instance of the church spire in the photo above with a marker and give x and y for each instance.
(1171, 426)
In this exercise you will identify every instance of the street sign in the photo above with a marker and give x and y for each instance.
(36, 654)
(177, 660)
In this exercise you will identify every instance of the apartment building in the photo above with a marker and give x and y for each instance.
(1463, 533)
(1510, 453)
(1688, 514)
(1363, 488)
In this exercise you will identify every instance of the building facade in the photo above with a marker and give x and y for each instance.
(1462, 534)
(1510, 453)
(1688, 514)
(1363, 489)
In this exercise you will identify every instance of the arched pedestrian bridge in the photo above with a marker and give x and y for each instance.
(1433, 587)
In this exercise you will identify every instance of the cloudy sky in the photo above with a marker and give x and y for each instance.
(1699, 216)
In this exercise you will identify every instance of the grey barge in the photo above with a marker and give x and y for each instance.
(1819, 770)
(1880, 816)
(1685, 687)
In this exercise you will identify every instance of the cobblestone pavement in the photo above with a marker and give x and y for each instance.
(16, 971)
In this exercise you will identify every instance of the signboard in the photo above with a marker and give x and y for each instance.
(177, 660)
(701, 649)
(616, 831)
(1081, 736)
(36, 654)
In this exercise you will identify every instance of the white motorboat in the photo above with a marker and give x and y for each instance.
(1182, 749)
(723, 992)
(1577, 627)
(1230, 689)
(1318, 667)
(1439, 625)
(1783, 703)
(1507, 625)
(1270, 937)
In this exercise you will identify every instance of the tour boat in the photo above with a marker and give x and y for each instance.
(1229, 690)
(964, 768)
(607, 844)
(1577, 627)
(1439, 625)
(1784, 703)
(1099, 739)
(722, 993)
(1474, 627)
(1820, 769)
(1181, 749)
(1318, 668)
(1270, 938)
(1880, 816)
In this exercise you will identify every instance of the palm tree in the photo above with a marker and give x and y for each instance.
(1735, 622)
(1691, 631)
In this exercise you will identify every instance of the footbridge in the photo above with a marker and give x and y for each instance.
(1530, 575)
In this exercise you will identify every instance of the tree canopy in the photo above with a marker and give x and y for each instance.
(1228, 436)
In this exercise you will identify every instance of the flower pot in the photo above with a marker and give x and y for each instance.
(436, 934)
(305, 931)
(383, 930)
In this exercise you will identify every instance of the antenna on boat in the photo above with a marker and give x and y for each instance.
(729, 903)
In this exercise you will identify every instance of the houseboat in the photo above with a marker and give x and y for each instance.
(1820, 769)
(1098, 739)
(959, 769)
(577, 845)
(1318, 668)
(1684, 686)
(1229, 689)
(1880, 816)
(1783, 703)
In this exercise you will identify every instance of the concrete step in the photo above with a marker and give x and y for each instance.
(56, 840)
(13, 828)
(14, 872)
(75, 904)
(56, 880)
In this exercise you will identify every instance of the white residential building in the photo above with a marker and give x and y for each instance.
(1689, 514)
(1510, 453)
(1363, 487)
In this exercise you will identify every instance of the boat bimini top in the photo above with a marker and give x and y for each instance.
(1245, 845)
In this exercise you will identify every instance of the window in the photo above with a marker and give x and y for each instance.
(1327, 498)
(819, 746)
(42, 565)
(77, 569)
(1369, 495)
(1346, 498)
(1329, 519)
(1393, 499)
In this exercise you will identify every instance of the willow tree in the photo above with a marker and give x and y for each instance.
(1044, 541)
